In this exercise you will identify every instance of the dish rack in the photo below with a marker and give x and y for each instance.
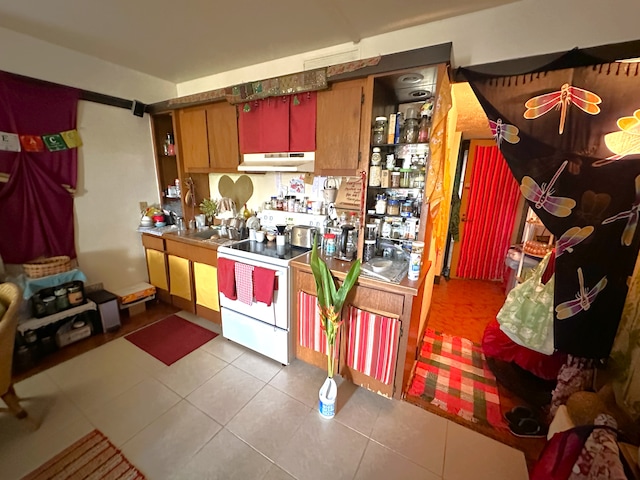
(42, 267)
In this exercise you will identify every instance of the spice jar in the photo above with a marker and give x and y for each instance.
(395, 179)
(376, 169)
(406, 210)
(385, 178)
(50, 305)
(381, 204)
(379, 131)
(393, 207)
(369, 250)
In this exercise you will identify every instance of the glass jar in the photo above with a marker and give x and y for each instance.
(405, 178)
(274, 203)
(385, 178)
(379, 131)
(376, 169)
(369, 250)
(386, 228)
(406, 210)
(62, 300)
(395, 179)
(411, 127)
(381, 204)
(370, 231)
(329, 244)
(74, 294)
(393, 207)
(423, 128)
(49, 305)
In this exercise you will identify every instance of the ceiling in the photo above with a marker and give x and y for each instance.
(181, 41)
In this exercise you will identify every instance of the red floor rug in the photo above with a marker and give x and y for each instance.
(452, 374)
(171, 339)
(93, 456)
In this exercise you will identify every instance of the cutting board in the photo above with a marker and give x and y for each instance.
(240, 191)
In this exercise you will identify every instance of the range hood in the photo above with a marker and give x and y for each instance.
(277, 162)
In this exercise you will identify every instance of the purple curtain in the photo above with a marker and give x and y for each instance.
(572, 140)
(36, 207)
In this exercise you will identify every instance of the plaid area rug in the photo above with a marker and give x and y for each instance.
(453, 375)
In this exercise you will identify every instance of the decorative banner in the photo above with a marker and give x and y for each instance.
(31, 143)
(9, 142)
(54, 142)
(35, 143)
(72, 138)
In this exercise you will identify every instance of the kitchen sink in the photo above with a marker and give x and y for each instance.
(204, 234)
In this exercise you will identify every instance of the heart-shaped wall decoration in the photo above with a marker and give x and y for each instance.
(239, 191)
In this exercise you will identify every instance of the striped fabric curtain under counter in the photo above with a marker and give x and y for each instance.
(373, 344)
(310, 333)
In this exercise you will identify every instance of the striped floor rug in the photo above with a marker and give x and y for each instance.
(91, 457)
(452, 374)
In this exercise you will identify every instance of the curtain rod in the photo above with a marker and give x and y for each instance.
(135, 106)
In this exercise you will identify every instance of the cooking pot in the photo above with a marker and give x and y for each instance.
(302, 236)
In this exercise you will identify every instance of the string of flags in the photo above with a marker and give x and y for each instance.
(12, 142)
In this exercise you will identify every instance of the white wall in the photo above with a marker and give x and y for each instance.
(520, 29)
(116, 163)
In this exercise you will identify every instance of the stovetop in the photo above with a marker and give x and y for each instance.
(266, 251)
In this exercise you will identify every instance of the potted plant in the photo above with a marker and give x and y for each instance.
(209, 207)
(330, 302)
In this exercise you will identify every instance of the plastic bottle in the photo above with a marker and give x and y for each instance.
(376, 169)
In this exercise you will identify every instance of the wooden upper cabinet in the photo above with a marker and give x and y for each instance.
(338, 123)
(222, 126)
(209, 138)
(193, 143)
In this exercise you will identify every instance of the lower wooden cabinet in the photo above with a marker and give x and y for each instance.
(368, 344)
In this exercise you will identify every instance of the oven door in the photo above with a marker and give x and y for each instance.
(276, 314)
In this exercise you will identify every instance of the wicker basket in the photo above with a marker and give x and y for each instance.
(42, 267)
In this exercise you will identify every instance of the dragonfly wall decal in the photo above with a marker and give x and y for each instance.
(504, 131)
(571, 238)
(584, 298)
(542, 196)
(632, 218)
(623, 143)
(561, 100)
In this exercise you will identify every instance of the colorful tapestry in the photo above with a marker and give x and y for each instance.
(571, 138)
(452, 374)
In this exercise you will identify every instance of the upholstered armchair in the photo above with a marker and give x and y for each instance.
(10, 298)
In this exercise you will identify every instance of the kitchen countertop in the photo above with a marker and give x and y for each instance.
(189, 236)
(340, 269)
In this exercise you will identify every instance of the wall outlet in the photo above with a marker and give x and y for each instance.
(143, 206)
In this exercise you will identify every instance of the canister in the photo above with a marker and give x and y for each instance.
(381, 204)
(370, 231)
(62, 300)
(75, 295)
(329, 244)
(385, 178)
(415, 260)
(393, 207)
(50, 305)
(369, 250)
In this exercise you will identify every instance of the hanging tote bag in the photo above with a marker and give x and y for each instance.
(527, 314)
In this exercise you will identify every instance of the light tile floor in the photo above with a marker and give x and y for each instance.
(224, 412)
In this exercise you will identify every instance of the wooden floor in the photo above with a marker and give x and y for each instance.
(463, 308)
(155, 311)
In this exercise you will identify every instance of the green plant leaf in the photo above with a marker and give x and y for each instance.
(347, 285)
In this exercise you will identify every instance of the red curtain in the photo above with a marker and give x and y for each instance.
(278, 124)
(491, 213)
(37, 210)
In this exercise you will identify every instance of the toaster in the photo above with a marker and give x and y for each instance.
(302, 236)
